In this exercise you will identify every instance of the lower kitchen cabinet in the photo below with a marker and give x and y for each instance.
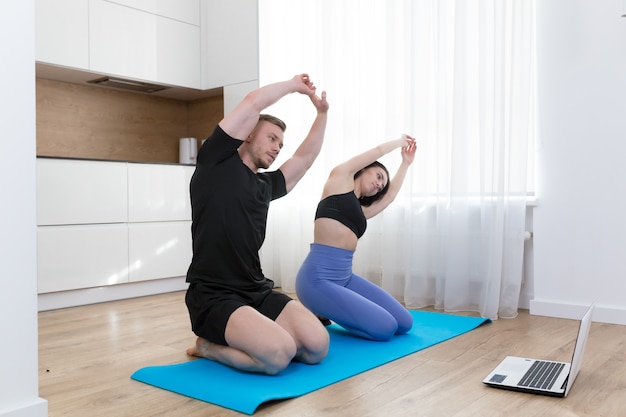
(158, 193)
(86, 241)
(81, 192)
(81, 256)
(158, 250)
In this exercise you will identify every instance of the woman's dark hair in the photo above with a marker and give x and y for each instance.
(367, 201)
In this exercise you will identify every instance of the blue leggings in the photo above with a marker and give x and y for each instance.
(327, 286)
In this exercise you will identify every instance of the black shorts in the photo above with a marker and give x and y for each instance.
(210, 308)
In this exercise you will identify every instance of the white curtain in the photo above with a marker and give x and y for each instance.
(458, 76)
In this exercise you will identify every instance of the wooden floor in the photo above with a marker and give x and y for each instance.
(87, 354)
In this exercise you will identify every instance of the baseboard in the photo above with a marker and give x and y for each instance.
(602, 313)
(36, 408)
(64, 299)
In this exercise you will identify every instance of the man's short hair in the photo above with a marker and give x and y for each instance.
(273, 120)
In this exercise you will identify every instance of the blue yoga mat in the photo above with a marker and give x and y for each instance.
(348, 356)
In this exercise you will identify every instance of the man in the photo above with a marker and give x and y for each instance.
(239, 319)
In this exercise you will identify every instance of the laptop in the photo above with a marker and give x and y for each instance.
(539, 376)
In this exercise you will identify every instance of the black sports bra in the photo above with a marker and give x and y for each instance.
(346, 209)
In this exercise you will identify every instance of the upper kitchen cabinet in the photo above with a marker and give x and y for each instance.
(62, 35)
(143, 40)
(183, 10)
(230, 52)
(133, 43)
(195, 46)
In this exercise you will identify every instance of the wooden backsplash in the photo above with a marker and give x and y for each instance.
(82, 121)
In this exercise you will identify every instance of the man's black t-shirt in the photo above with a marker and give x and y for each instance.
(229, 205)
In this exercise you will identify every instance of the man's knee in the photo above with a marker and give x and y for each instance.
(317, 349)
(314, 344)
(279, 358)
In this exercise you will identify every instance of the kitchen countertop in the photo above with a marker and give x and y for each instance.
(111, 160)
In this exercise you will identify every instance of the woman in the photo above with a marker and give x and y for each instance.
(355, 191)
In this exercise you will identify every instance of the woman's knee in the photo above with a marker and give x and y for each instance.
(405, 323)
(384, 330)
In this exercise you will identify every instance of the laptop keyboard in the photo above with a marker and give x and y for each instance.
(542, 374)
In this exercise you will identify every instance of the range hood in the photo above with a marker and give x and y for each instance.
(122, 84)
(74, 76)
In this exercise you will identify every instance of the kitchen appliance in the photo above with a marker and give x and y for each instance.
(188, 150)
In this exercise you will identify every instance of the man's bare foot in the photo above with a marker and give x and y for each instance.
(201, 349)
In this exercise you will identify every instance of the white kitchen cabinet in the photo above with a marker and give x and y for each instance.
(84, 256)
(105, 223)
(81, 192)
(230, 51)
(132, 43)
(197, 44)
(62, 35)
(233, 94)
(159, 250)
(158, 192)
(183, 10)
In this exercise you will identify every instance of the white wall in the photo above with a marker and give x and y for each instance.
(18, 282)
(580, 218)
